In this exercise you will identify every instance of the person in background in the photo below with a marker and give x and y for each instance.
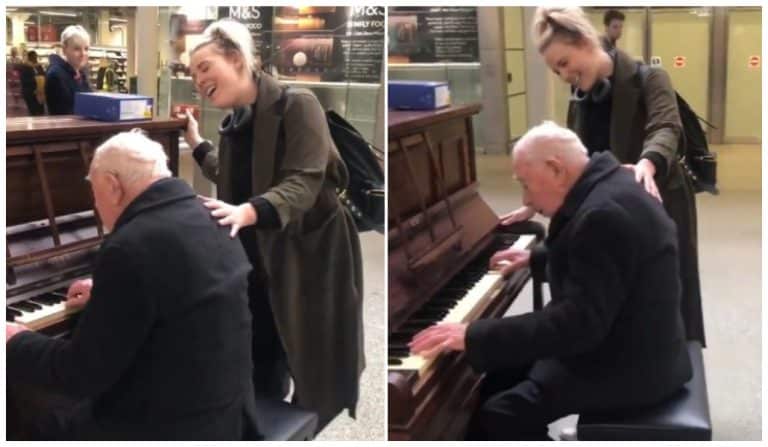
(14, 57)
(105, 78)
(609, 111)
(614, 25)
(33, 84)
(277, 174)
(69, 74)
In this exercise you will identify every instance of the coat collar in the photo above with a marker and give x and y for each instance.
(263, 118)
(624, 102)
(600, 165)
(266, 129)
(159, 193)
(61, 63)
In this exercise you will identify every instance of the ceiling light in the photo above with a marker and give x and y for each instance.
(57, 13)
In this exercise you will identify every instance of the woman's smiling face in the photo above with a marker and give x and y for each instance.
(216, 76)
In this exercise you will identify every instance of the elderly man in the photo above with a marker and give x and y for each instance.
(612, 335)
(163, 348)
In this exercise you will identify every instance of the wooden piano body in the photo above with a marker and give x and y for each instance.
(438, 225)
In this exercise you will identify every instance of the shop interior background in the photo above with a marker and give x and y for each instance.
(337, 52)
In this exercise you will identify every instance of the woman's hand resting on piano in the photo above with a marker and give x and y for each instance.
(238, 216)
(510, 260)
(439, 338)
(519, 215)
(12, 329)
(79, 293)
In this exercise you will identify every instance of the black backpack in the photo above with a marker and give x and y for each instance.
(364, 195)
(696, 159)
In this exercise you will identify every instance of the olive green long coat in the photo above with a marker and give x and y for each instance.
(649, 120)
(313, 261)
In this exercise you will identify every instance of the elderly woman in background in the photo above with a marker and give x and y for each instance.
(68, 75)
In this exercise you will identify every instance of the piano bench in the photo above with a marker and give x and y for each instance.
(281, 421)
(684, 417)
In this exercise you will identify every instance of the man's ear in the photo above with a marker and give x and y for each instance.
(555, 166)
(115, 188)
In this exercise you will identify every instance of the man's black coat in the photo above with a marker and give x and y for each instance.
(163, 348)
(614, 318)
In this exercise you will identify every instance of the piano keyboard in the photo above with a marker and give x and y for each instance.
(40, 311)
(460, 301)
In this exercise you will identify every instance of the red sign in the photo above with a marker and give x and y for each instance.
(754, 62)
(679, 62)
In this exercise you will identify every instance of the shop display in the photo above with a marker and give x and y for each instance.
(307, 44)
(433, 34)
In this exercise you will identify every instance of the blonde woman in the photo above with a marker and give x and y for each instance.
(611, 110)
(68, 75)
(277, 172)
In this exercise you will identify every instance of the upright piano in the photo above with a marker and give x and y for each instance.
(441, 237)
(52, 229)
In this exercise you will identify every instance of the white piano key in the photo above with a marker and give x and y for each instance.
(465, 309)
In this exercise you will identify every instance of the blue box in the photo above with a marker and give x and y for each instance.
(418, 95)
(105, 106)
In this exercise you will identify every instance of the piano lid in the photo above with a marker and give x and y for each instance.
(55, 128)
(436, 217)
(49, 204)
(50, 217)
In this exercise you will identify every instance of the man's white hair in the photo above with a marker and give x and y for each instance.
(131, 156)
(74, 31)
(548, 139)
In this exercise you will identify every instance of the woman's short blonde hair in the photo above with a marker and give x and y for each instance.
(74, 31)
(567, 24)
(229, 37)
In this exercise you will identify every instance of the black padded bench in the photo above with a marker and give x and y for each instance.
(684, 417)
(281, 421)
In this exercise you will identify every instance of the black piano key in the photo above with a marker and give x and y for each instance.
(394, 361)
(46, 300)
(398, 353)
(11, 314)
(40, 301)
(62, 296)
(23, 306)
(399, 346)
(34, 305)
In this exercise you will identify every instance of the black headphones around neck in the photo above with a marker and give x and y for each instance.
(599, 92)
